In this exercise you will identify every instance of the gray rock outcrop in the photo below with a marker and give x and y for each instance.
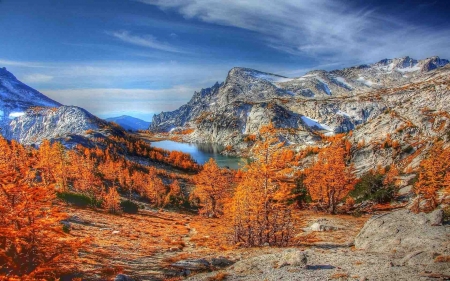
(413, 237)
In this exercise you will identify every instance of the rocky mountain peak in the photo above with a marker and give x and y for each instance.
(5, 74)
(253, 74)
(404, 62)
(433, 63)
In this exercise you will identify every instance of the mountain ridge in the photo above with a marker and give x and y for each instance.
(29, 117)
(318, 103)
(129, 122)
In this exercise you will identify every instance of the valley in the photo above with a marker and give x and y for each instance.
(332, 175)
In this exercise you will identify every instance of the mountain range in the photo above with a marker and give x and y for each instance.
(402, 99)
(129, 123)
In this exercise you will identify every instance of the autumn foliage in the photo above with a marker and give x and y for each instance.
(434, 175)
(32, 242)
(330, 179)
(212, 189)
(259, 212)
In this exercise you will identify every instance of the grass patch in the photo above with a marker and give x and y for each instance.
(129, 207)
(78, 199)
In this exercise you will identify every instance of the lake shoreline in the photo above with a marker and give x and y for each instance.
(201, 152)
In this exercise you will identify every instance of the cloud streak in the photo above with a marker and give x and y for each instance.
(326, 30)
(147, 41)
(112, 102)
(37, 78)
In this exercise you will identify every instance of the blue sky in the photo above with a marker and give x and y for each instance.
(140, 57)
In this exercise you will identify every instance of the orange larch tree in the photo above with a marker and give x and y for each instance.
(33, 245)
(434, 175)
(111, 201)
(175, 196)
(329, 180)
(212, 189)
(259, 211)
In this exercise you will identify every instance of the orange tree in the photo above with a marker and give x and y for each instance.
(259, 212)
(212, 189)
(111, 201)
(434, 175)
(32, 242)
(329, 180)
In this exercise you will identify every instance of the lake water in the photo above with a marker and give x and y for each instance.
(202, 152)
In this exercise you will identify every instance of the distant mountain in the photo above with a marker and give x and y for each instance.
(319, 103)
(29, 117)
(130, 123)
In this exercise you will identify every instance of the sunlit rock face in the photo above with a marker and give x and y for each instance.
(361, 99)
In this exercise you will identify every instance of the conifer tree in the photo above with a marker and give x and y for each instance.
(260, 214)
(212, 189)
(434, 175)
(32, 243)
(329, 180)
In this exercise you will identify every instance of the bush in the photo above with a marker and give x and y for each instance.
(383, 195)
(78, 199)
(66, 228)
(300, 192)
(129, 207)
(408, 149)
(371, 187)
(446, 214)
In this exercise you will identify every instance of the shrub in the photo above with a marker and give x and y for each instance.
(446, 214)
(250, 138)
(371, 187)
(78, 199)
(129, 207)
(300, 192)
(408, 149)
(66, 228)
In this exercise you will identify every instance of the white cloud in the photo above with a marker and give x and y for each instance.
(107, 102)
(148, 41)
(20, 63)
(37, 78)
(327, 30)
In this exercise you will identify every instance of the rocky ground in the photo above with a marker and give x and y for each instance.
(157, 245)
(393, 246)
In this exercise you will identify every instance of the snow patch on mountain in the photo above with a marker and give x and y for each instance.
(314, 124)
(409, 69)
(271, 78)
(13, 115)
(341, 80)
(365, 81)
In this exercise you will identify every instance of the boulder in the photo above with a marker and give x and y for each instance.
(221, 262)
(405, 190)
(322, 225)
(413, 237)
(192, 264)
(293, 258)
(437, 217)
(123, 277)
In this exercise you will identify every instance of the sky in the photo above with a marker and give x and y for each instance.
(141, 57)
